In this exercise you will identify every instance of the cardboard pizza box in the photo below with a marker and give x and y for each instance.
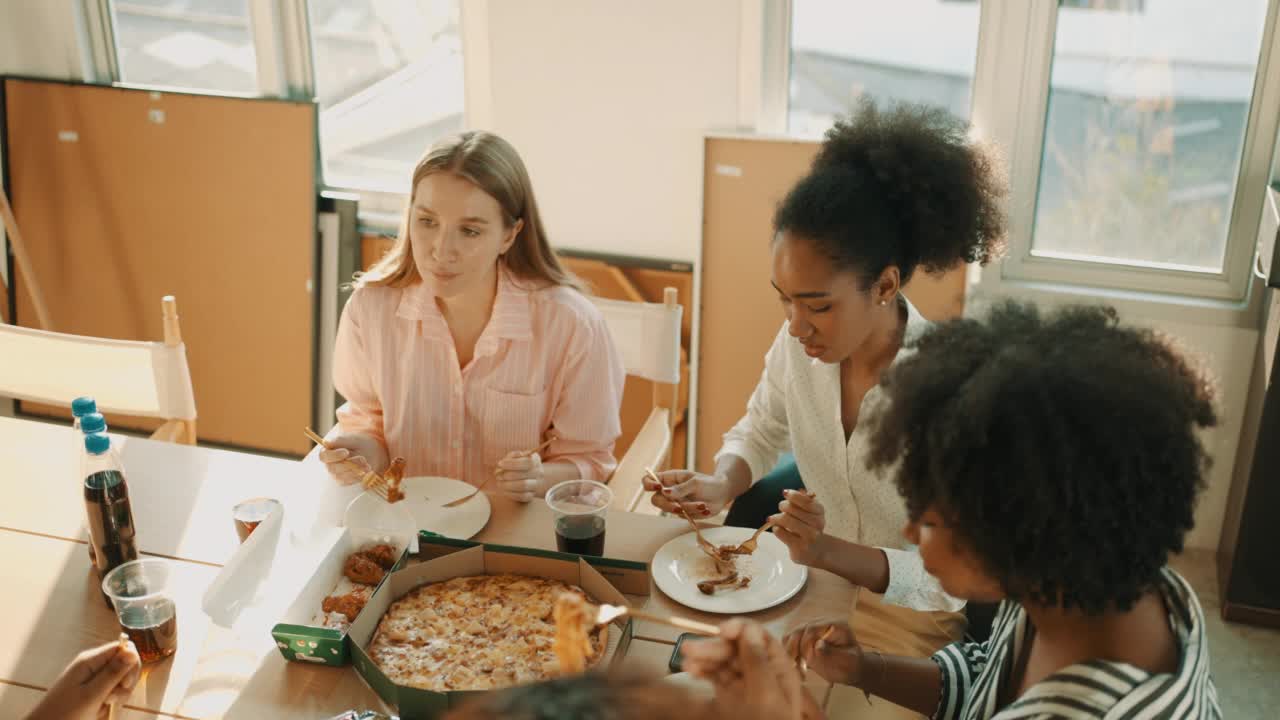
(297, 636)
(451, 561)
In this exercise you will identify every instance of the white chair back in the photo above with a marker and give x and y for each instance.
(147, 379)
(647, 336)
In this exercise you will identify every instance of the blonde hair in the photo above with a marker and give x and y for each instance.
(494, 166)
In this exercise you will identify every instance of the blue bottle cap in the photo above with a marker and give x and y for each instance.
(97, 443)
(92, 423)
(82, 406)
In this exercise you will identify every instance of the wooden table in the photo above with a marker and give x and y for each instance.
(182, 498)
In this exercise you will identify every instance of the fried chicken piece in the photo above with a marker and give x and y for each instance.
(350, 604)
(393, 477)
(383, 554)
(709, 587)
(360, 569)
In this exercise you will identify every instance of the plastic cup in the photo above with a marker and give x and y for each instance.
(580, 507)
(249, 513)
(140, 592)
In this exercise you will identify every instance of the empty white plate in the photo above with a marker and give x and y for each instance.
(680, 565)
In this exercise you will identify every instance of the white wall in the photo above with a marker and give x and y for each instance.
(1228, 352)
(607, 101)
(38, 38)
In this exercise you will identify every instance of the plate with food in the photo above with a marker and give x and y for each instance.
(730, 582)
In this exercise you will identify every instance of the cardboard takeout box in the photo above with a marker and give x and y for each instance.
(451, 559)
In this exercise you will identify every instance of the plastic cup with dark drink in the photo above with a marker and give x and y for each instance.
(139, 590)
(249, 513)
(579, 507)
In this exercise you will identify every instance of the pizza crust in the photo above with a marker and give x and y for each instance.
(479, 632)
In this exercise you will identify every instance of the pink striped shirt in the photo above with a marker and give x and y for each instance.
(545, 361)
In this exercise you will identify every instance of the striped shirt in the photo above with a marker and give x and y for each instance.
(545, 360)
(972, 674)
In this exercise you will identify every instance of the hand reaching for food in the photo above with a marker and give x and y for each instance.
(753, 675)
(829, 649)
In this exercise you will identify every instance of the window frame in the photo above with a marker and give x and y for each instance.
(1024, 141)
(1008, 107)
(284, 53)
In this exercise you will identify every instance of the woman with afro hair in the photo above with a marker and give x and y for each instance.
(891, 192)
(1051, 462)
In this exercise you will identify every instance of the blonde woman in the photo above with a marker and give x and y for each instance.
(469, 345)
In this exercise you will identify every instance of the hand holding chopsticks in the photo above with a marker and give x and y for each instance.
(496, 471)
(385, 486)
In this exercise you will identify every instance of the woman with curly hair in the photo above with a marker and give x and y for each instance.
(1052, 463)
(891, 192)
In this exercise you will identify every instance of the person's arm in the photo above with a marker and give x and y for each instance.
(899, 575)
(750, 449)
(800, 524)
(764, 433)
(586, 415)
(358, 434)
(936, 687)
(352, 376)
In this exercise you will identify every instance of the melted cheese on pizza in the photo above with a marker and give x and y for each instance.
(474, 633)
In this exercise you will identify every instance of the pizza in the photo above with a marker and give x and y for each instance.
(476, 633)
(574, 622)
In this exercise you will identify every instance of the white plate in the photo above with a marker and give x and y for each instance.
(679, 566)
(425, 497)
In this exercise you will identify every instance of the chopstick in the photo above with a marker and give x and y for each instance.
(122, 646)
(676, 622)
(455, 503)
(371, 480)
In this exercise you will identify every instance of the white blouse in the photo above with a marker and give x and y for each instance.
(796, 408)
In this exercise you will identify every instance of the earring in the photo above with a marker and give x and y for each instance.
(883, 303)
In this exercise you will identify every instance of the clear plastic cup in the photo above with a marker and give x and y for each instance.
(580, 507)
(140, 592)
(249, 513)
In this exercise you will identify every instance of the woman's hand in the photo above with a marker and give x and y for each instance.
(94, 678)
(829, 649)
(799, 525)
(364, 451)
(521, 477)
(700, 495)
(753, 675)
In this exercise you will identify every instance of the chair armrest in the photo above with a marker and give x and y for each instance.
(650, 449)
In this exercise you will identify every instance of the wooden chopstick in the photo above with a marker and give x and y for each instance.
(371, 480)
(676, 622)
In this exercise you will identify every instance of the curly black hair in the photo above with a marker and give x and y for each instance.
(903, 186)
(1061, 448)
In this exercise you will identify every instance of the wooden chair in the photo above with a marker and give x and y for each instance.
(145, 379)
(647, 336)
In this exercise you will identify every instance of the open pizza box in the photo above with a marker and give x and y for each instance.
(299, 634)
(453, 561)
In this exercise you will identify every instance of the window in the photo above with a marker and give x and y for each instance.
(911, 50)
(202, 44)
(389, 82)
(1147, 113)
